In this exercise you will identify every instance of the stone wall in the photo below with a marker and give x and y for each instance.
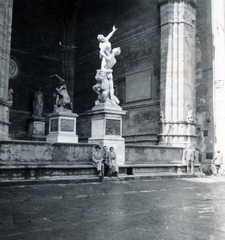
(42, 153)
(204, 81)
(140, 124)
(153, 154)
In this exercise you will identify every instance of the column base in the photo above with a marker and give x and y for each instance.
(181, 133)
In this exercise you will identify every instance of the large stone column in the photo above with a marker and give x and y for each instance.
(5, 40)
(177, 81)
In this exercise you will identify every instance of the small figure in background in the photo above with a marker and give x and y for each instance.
(38, 103)
(162, 115)
(112, 161)
(218, 162)
(190, 115)
(189, 157)
(97, 158)
(10, 96)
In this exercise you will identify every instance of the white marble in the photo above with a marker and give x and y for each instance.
(62, 137)
(104, 76)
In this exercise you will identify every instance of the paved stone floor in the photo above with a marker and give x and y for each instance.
(117, 210)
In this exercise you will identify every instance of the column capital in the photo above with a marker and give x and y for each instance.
(191, 2)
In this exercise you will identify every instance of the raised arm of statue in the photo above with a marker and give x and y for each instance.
(111, 33)
(105, 45)
(56, 75)
(61, 87)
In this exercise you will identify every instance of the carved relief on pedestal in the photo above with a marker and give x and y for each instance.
(112, 127)
(67, 125)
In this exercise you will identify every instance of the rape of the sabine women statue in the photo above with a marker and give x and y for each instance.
(62, 98)
(104, 77)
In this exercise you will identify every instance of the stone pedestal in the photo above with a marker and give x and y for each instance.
(37, 128)
(62, 127)
(106, 130)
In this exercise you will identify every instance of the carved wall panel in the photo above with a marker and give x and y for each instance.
(138, 85)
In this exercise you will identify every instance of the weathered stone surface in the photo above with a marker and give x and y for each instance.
(72, 153)
(153, 154)
(141, 120)
(33, 153)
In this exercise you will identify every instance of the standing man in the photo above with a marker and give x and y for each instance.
(97, 158)
(190, 156)
(218, 162)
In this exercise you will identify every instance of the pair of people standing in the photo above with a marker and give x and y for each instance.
(106, 158)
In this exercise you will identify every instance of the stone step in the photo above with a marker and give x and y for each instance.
(93, 179)
(43, 174)
(143, 168)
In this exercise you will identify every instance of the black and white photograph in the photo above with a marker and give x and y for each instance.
(112, 119)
